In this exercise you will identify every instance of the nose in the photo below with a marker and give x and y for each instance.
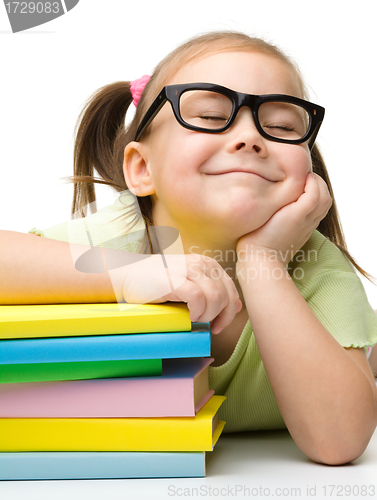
(244, 134)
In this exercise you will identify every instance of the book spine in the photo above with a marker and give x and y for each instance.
(112, 434)
(103, 435)
(107, 347)
(100, 465)
(66, 320)
(65, 400)
(170, 394)
(46, 372)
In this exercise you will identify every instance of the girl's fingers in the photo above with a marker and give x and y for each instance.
(322, 203)
(226, 317)
(233, 306)
(210, 294)
(223, 299)
(308, 201)
(204, 299)
(217, 298)
(202, 284)
(315, 202)
(193, 296)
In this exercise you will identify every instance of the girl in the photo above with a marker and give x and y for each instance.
(221, 148)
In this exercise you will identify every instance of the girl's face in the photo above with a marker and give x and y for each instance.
(229, 184)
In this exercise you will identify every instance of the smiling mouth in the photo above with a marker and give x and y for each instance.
(247, 172)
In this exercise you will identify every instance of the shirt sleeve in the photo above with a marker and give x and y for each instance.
(335, 293)
(118, 226)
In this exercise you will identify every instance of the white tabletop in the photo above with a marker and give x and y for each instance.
(244, 465)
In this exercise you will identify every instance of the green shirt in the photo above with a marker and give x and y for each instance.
(323, 275)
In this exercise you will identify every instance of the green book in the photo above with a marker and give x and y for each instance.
(79, 370)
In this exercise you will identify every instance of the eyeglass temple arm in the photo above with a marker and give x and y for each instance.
(151, 113)
(314, 136)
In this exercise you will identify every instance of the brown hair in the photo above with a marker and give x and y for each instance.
(101, 135)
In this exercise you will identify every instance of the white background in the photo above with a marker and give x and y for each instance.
(48, 72)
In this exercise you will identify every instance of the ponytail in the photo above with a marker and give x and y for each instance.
(100, 143)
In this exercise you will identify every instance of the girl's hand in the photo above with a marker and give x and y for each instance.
(291, 226)
(197, 280)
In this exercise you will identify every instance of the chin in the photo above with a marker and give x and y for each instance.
(238, 226)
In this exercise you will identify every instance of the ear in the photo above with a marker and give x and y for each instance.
(136, 171)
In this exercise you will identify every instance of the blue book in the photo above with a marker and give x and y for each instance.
(194, 344)
(100, 465)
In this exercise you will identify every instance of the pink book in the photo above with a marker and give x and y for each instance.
(180, 391)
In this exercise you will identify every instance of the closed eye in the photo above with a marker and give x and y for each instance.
(213, 117)
(280, 127)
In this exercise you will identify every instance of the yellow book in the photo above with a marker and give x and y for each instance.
(198, 433)
(68, 320)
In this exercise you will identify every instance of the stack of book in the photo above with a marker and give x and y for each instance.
(91, 391)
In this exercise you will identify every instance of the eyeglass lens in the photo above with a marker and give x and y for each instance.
(211, 110)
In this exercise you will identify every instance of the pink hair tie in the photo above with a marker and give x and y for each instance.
(137, 86)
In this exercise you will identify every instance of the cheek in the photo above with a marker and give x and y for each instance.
(297, 163)
(181, 153)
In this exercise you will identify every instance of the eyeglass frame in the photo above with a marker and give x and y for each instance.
(173, 93)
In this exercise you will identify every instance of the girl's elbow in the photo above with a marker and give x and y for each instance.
(338, 451)
(329, 455)
(341, 440)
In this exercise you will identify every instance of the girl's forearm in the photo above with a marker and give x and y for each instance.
(35, 270)
(326, 398)
(373, 361)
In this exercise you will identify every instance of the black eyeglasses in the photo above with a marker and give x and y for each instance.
(209, 108)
